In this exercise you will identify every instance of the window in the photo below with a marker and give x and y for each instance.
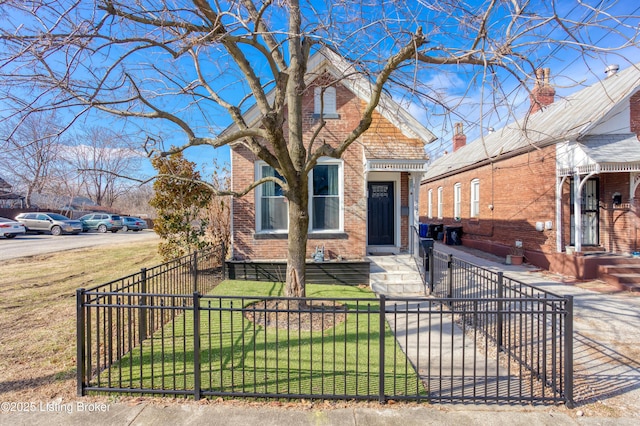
(457, 193)
(429, 204)
(271, 209)
(475, 198)
(325, 195)
(440, 201)
(324, 102)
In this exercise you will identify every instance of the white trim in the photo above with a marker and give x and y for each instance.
(474, 198)
(391, 165)
(321, 162)
(457, 200)
(257, 173)
(396, 179)
(430, 203)
(440, 201)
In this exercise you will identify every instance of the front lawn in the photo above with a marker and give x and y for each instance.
(241, 357)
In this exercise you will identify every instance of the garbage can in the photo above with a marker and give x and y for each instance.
(453, 235)
(423, 229)
(434, 230)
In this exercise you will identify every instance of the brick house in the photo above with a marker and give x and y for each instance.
(364, 202)
(579, 155)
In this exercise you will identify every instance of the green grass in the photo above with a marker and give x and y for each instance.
(239, 356)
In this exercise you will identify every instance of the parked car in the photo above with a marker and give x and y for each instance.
(49, 222)
(101, 222)
(10, 228)
(133, 223)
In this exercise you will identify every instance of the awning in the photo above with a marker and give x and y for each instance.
(600, 154)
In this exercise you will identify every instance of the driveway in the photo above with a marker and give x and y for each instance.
(32, 244)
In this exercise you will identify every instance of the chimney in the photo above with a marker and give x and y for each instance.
(459, 138)
(542, 94)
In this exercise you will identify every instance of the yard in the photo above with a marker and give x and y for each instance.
(38, 320)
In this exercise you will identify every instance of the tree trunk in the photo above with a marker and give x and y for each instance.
(297, 241)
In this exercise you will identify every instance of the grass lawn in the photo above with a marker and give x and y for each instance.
(38, 314)
(240, 356)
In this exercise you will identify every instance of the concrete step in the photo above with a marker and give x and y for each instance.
(626, 268)
(624, 282)
(399, 288)
(399, 276)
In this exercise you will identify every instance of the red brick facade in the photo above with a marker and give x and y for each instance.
(382, 140)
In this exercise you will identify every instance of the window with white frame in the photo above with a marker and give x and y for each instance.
(440, 202)
(430, 204)
(457, 195)
(475, 198)
(325, 195)
(324, 102)
(272, 212)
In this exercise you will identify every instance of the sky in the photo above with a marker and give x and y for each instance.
(464, 90)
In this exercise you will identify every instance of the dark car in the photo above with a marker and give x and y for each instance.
(55, 223)
(101, 222)
(133, 223)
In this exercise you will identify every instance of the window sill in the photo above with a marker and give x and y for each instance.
(312, 236)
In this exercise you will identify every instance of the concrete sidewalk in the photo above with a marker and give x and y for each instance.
(607, 382)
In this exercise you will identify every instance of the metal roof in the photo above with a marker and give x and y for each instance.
(623, 148)
(571, 118)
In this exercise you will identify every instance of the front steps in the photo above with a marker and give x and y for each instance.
(395, 275)
(625, 277)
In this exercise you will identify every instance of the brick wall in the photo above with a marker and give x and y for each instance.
(618, 223)
(514, 194)
(349, 108)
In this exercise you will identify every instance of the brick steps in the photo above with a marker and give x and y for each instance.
(625, 277)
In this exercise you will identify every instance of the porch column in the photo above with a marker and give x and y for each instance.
(414, 210)
(559, 228)
(577, 212)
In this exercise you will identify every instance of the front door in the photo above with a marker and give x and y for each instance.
(589, 214)
(380, 215)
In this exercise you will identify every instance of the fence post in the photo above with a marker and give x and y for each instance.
(450, 276)
(196, 347)
(431, 270)
(142, 312)
(568, 353)
(80, 342)
(381, 396)
(195, 271)
(500, 318)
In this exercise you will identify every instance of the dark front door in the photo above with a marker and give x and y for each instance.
(380, 214)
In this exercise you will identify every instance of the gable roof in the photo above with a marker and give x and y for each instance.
(571, 118)
(4, 185)
(325, 60)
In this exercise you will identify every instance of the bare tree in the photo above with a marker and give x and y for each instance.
(31, 148)
(102, 158)
(189, 65)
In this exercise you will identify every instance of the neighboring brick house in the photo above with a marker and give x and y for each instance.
(364, 202)
(518, 183)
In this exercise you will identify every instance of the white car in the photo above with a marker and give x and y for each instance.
(10, 228)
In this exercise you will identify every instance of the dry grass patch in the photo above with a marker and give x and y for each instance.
(38, 322)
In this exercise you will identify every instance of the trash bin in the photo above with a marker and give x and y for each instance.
(453, 235)
(423, 229)
(434, 230)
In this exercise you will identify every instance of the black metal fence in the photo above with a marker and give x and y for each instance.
(497, 341)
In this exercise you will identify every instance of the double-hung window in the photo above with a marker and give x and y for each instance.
(430, 204)
(272, 214)
(440, 202)
(324, 102)
(475, 198)
(325, 199)
(457, 195)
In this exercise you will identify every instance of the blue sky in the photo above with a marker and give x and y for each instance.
(465, 90)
